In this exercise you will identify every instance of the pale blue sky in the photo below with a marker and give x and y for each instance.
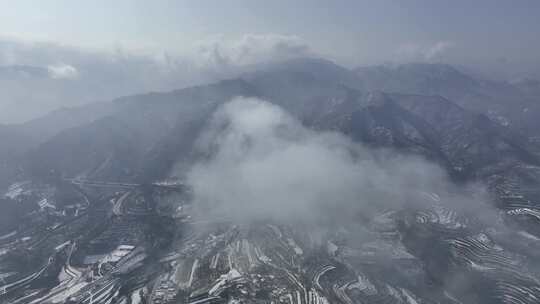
(351, 32)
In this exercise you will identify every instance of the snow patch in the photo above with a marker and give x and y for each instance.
(16, 189)
(7, 236)
(528, 235)
(295, 247)
(112, 257)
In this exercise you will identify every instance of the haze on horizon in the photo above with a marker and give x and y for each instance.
(94, 51)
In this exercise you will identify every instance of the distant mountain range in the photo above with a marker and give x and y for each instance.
(429, 108)
(507, 103)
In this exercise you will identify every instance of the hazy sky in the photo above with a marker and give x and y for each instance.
(351, 32)
(86, 51)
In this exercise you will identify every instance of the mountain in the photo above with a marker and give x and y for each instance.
(463, 141)
(14, 144)
(93, 215)
(503, 102)
(315, 91)
(132, 138)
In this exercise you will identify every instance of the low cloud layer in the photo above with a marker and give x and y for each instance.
(251, 49)
(37, 77)
(260, 162)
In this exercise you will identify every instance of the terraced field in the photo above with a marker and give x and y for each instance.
(121, 248)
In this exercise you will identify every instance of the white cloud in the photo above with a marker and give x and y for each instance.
(423, 52)
(262, 163)
(437, 49)
(251, 49)
(62, 71)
